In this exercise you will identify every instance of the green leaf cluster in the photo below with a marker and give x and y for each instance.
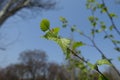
(53, 34)
(102, 62)
(112, 15)
(93, 20)
(117, 49)
(97, 27)
(45, 25)
(64, 21)
(109, 36)
(77, 44)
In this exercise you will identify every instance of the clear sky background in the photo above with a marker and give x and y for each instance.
(23, 33)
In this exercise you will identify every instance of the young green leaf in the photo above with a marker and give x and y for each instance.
(103, 26)
(91, 1)
(119, 58)
(63, 20)
(111, 28)
(55, 30)
(104, 10)
(73, 28)
(113, 15)
(117, 49)
(102, 62)
(91, 66)
(91, 18)
(45, 25)
(100, 6)
(116, 41)
(77, 44)
(62, 42)
(93, 32)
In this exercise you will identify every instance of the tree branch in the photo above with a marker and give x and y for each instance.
(75, 54)
(111, 19)
(12, 7)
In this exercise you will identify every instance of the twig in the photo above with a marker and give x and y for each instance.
(101, 74)
(100, 51)
(75, 54)
(111, 19)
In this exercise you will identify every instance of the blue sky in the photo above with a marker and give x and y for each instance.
(25, 33)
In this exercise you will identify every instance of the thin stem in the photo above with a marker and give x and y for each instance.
(100, 51)
(101, 74)
(111, 19)
(105, 57)
(75, 54)
(110, 39)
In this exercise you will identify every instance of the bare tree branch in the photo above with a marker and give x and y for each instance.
(11, 7)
